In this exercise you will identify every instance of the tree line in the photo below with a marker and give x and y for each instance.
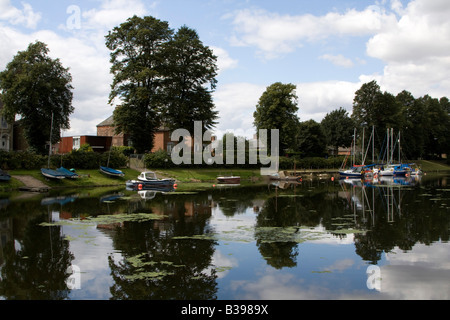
(161, 77)
(424, 122)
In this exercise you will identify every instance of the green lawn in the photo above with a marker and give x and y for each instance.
(207, 175)
(433, 166)
(87, 178)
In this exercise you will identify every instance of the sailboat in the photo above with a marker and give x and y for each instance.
(109, 171)
(47, 172)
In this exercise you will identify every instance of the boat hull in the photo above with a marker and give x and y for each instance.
(52, 174)
(163, 186)
(111, 172)
(229, 180)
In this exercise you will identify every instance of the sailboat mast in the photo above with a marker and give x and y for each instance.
(50, 143)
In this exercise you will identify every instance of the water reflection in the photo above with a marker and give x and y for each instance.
(312, 239)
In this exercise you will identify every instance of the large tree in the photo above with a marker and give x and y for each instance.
(137, 66)
(337, 127)
(35, 87)
(311, 139)
(277, 109)
(372, 107)
(190, 78)
(161, 78)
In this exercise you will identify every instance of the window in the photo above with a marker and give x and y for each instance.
(4, 142)
(170, 146)
(76, 143)
(3, 123)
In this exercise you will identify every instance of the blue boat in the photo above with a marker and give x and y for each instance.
(111, 172)
(67, 173)
(52, 174)
(402, 170)
(4, 176)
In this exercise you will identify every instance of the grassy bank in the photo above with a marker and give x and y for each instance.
(433, 166)
(186, 178)
(88, 178)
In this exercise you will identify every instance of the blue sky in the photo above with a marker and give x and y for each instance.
(327, 48)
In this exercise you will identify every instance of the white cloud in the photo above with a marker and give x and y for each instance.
(224, 61)
(338, 60)
(114, 12)
(236, 103)
(316, 99)
(274, 34)
(416, 50)
(25, 16)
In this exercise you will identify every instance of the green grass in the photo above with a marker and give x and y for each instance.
(207, 175)
(433, 166)
(87, 178)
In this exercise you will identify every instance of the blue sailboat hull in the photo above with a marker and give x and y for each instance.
(111, 172)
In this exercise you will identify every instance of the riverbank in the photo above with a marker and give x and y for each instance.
(186, 178)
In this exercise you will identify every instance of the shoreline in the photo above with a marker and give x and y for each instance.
(33, 181)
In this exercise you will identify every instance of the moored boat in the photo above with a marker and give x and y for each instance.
(67, 173)
(229, 179)
(52, 174)
(111, 172)
(4, 176)
(150, 178)
(354, 172)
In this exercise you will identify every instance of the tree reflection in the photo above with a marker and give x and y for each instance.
(36, 266)
(156, 264)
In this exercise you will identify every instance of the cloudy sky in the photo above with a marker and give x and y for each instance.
(328, 48)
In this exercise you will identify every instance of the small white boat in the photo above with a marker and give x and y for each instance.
(387, 170)
(150, 178)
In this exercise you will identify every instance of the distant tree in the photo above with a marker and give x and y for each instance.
(137, 66)
(311, 139)
(34, 87)
(371, 107)
(414, 122)
(190, 71)
(337, 128)
(277, 109)
(437, 133)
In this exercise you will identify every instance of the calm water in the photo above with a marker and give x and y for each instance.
(320, 239)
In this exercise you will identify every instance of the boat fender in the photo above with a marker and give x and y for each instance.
(140, 186)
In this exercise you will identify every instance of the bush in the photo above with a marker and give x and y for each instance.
(22, 160)
(158, 160)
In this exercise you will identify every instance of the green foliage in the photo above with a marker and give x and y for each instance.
(277, 109)
(311, 140)
(424, 122)
(189, 78)
(337, 127)
(35, 87)
(158, 160)
(21, 160)
(161, 78)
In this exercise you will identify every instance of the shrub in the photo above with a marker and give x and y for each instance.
(159, 160)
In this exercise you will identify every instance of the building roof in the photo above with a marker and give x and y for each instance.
(110, 123)
(107, 123)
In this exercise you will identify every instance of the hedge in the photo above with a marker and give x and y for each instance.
(161, 160)
(78, 159)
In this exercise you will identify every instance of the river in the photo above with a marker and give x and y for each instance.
(318, 239)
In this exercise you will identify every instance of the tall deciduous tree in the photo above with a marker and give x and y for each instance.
(190, 78)
(137, 65)
(162, 78)
(311, 140)
(371, 107)
(337, 127)
(34, 87)
(277, 109)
